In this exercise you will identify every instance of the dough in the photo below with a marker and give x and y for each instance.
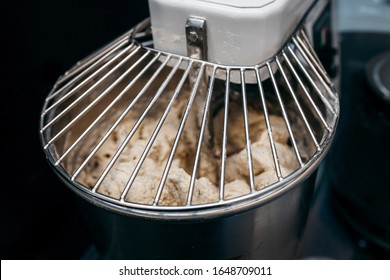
(175, 192)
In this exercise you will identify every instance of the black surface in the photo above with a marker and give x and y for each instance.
(350, 218)
(378, 73)
(42, 40)
(39, 218)
(359, 161)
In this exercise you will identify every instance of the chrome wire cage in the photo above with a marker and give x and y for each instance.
(100, 91)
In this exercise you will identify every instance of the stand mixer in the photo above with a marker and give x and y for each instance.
(198, 133)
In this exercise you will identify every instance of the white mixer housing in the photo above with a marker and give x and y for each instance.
(239, 32)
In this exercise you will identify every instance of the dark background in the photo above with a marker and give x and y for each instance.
(39, 218)
(42, 40)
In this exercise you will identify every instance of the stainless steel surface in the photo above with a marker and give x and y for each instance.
(266, 222)
(267, 232)
(196, 34)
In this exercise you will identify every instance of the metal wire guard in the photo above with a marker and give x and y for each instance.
(107, 71)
